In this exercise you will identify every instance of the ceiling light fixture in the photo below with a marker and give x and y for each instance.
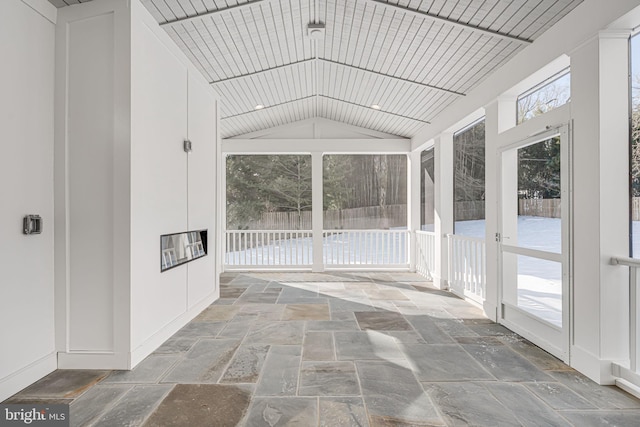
(375, 106)
(259, 107)
(315, 31)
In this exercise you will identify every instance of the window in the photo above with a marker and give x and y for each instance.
(469, 186)
(635, 147)
(268, 192)
(552, 93)
(427, 196)
(365, 192)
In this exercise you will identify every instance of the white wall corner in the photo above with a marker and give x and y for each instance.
(44, 8)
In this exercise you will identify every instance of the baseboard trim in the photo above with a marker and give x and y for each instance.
(157, 339)
(590, 365)
(92, 360)
(490, 310)
(26, 376)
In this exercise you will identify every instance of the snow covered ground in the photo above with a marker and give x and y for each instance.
(539, 282)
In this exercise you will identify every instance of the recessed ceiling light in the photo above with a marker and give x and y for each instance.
(375, 106)
(259, 107)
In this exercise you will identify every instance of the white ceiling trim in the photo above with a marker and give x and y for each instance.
(317, 123)
(307, 146)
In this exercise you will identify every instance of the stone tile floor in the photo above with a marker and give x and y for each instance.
(338, 349)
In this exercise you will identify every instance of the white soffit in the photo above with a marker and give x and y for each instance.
(412, 58)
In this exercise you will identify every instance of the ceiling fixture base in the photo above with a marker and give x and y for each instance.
(315, 31)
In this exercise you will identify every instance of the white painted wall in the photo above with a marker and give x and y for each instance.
(26, 171)
(128, 98)
(90, 182)
(599, 109)
(202, 176)
(158, 180)
(92, 185)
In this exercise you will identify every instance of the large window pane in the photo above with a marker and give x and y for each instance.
(469, 186)
(365, 192)
(268, 192)
(544, 97)
(539, 196)
(635, 147)
(427, 195)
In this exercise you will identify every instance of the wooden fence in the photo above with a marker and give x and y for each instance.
(377, 217)
(371, 217)
(635, 209)
(547, 208)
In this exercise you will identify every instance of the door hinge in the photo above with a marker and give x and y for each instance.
(498, 237)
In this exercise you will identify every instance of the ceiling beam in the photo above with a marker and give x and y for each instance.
(377, 111)
(326, 97)
(328, 61)
(439, 89)
(304, 146)
(266, 107)
(277, 67)
(213, 12)
(426, 15)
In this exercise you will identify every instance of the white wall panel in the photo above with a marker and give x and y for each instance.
(202, 173)
(158, 181)
(26, 171)
(90, 182)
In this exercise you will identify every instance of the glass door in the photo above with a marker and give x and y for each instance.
(534, 240)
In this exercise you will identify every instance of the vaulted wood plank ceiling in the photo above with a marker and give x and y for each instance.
(409, 59)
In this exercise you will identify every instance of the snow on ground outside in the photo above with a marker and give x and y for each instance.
(539, 281)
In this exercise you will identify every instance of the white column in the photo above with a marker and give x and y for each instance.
(317, 210)
(599, 104)
(499, 116)
(443, 205)
(413, 203)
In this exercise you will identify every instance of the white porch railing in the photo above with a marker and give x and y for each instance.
(425, 253)
(264, 248)
(257, 249)
(628, 378)
(379, 248)
(467, 267)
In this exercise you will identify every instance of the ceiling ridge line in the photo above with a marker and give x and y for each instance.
(188, 18)
(326, 97)
(378, 111)
(329, 61)
(266, 107)
(277, 67)
(448, 21)
(438, 88)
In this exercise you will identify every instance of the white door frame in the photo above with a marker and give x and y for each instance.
(553, 339)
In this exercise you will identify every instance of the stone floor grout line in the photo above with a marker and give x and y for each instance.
(476, 360)
(304, 334)
(106, 409)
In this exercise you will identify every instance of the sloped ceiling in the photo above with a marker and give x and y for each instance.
(410, 58)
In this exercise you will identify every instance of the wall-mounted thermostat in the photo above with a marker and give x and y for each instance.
(32, 224)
